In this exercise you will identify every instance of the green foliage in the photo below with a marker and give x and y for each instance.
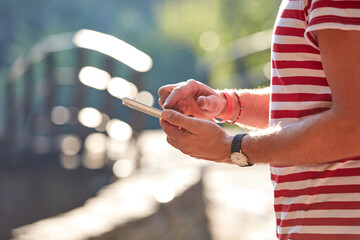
(187, 20)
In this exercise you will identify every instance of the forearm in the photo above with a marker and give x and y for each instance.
(254, 107)
(330, 135)
(321, 138)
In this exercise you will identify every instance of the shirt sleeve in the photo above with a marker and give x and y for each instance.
(331, 14)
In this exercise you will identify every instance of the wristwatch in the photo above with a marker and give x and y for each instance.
(237, 156)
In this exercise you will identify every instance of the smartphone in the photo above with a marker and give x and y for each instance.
(142, 107)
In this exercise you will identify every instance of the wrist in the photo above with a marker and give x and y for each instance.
(245, 149)
(226, 149)
(236, 108)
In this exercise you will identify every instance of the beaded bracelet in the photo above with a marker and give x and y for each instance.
(240, 108)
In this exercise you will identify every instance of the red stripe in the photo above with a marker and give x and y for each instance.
(318, 222)
(294, 14)
(289, 31)
(306, 9)
(336, 4)
(318, 190)
(294, 177)
(314, 236)
(317, 206)
(297, 64)
(300, 97)
(301, 80)
(294, 48)
(334, 19)
(295, 113)
(312, 39)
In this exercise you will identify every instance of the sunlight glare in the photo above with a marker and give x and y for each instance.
(94, 77)
(115, 48)
(254, 203)
(164, 193)
(119, 130)
(123, 168)
(116, 149)
(90, 117)
(104, 121)
(145, 97)
(96, 143)
(120, 88)
(93, 160)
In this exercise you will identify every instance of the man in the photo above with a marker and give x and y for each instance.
(312, 139)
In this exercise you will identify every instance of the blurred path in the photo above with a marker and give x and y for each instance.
(238, 200)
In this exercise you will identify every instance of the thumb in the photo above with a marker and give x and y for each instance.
(208, 103)
(180, 120)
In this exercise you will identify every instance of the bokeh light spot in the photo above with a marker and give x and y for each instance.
(90, 117)
(209, 41)
(119, 130)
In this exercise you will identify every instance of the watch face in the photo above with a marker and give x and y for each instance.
(239, 159)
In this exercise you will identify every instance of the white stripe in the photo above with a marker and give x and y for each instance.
(331, 181)
(281, 39)
(315, 167)
(287, 230)
(294, 5)
(291, 22)
(300, 89)
(296, 57)
(318, 214)
(319, 198)
(337, 12)
(299, 105)
(296, 72)
(333, 26)
(321, 230)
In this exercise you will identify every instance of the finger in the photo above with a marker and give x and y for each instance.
(172, 130)
(208, 103)
(160, 103)
(177, 119)
(175, 143)
(172, 142)
(183, 89)
(164, 92)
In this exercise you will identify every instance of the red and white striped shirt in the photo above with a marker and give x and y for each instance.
(320, 201)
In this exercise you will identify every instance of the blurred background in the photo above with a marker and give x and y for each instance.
(76, 164)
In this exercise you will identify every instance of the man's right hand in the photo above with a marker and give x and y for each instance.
(193, 98)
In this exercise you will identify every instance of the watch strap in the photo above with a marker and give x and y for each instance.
(236, 143)
(236, 147)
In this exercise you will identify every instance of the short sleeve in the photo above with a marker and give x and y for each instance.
(331, 14)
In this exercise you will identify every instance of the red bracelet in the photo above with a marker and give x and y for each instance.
(240, 108)
(229, 109)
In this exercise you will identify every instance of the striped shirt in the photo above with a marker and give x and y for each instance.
(320, 201)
